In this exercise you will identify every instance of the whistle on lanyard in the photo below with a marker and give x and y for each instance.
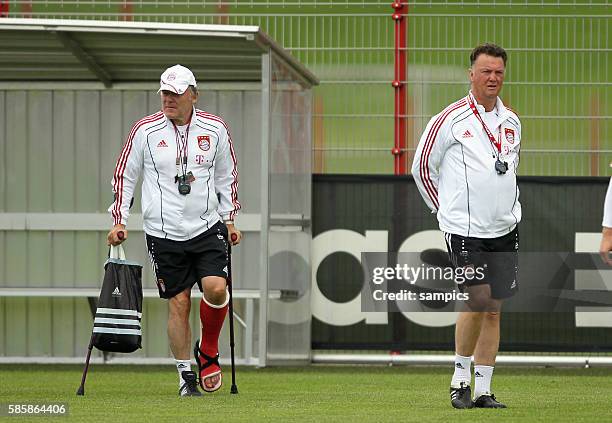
(501, 167)
(184, 182)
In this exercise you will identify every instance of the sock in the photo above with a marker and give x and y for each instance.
(482, 380)
(212, 317)
(182, 366)
(462, 371)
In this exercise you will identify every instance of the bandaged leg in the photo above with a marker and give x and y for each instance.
(207, 352)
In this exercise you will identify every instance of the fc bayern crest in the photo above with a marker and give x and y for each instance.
(509, 135)
(204, 142)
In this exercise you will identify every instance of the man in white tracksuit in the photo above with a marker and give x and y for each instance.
(465, 168)
(189, 200)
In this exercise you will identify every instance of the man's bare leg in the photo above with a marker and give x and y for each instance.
(468, 332)
(486, 352)
(179, 336)
(488, 341)
(179, 331)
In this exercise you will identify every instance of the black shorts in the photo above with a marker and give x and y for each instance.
(496, 257)
(178, 265)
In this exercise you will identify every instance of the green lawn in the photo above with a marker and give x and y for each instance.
(316, 393)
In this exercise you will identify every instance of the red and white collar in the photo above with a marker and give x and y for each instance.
(501, 109)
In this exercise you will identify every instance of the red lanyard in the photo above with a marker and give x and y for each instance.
(496, 143)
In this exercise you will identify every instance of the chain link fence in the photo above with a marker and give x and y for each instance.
(558, 76)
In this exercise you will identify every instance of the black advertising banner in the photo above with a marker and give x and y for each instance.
(355, 214)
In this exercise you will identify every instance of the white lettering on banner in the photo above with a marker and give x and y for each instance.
(353, 243)
(349, 313)
(290, 312)
(587, 317)
(416, 243)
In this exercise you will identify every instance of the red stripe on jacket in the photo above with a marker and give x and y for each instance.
(122, 162)
(431, 136)
(234, 186)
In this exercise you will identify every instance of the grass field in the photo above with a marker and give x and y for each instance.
(316, 393)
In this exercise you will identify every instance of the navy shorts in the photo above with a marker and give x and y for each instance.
(496, 257)
(178, 265)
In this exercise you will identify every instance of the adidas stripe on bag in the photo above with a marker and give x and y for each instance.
(118, 316)
(119, 321)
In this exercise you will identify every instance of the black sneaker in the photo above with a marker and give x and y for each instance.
(190, 385)
(461, 397)
(488, 401)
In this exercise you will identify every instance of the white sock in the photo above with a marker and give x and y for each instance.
(182, 366)
(462, 371)
(482, 380)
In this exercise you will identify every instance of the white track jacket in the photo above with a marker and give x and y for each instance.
(454, 169)
(152, 148)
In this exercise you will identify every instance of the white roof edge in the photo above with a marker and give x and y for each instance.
(120, 26)
(251, 33)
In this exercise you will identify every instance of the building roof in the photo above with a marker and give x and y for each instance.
(112, 52)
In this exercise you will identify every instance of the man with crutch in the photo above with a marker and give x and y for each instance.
(189, 200)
